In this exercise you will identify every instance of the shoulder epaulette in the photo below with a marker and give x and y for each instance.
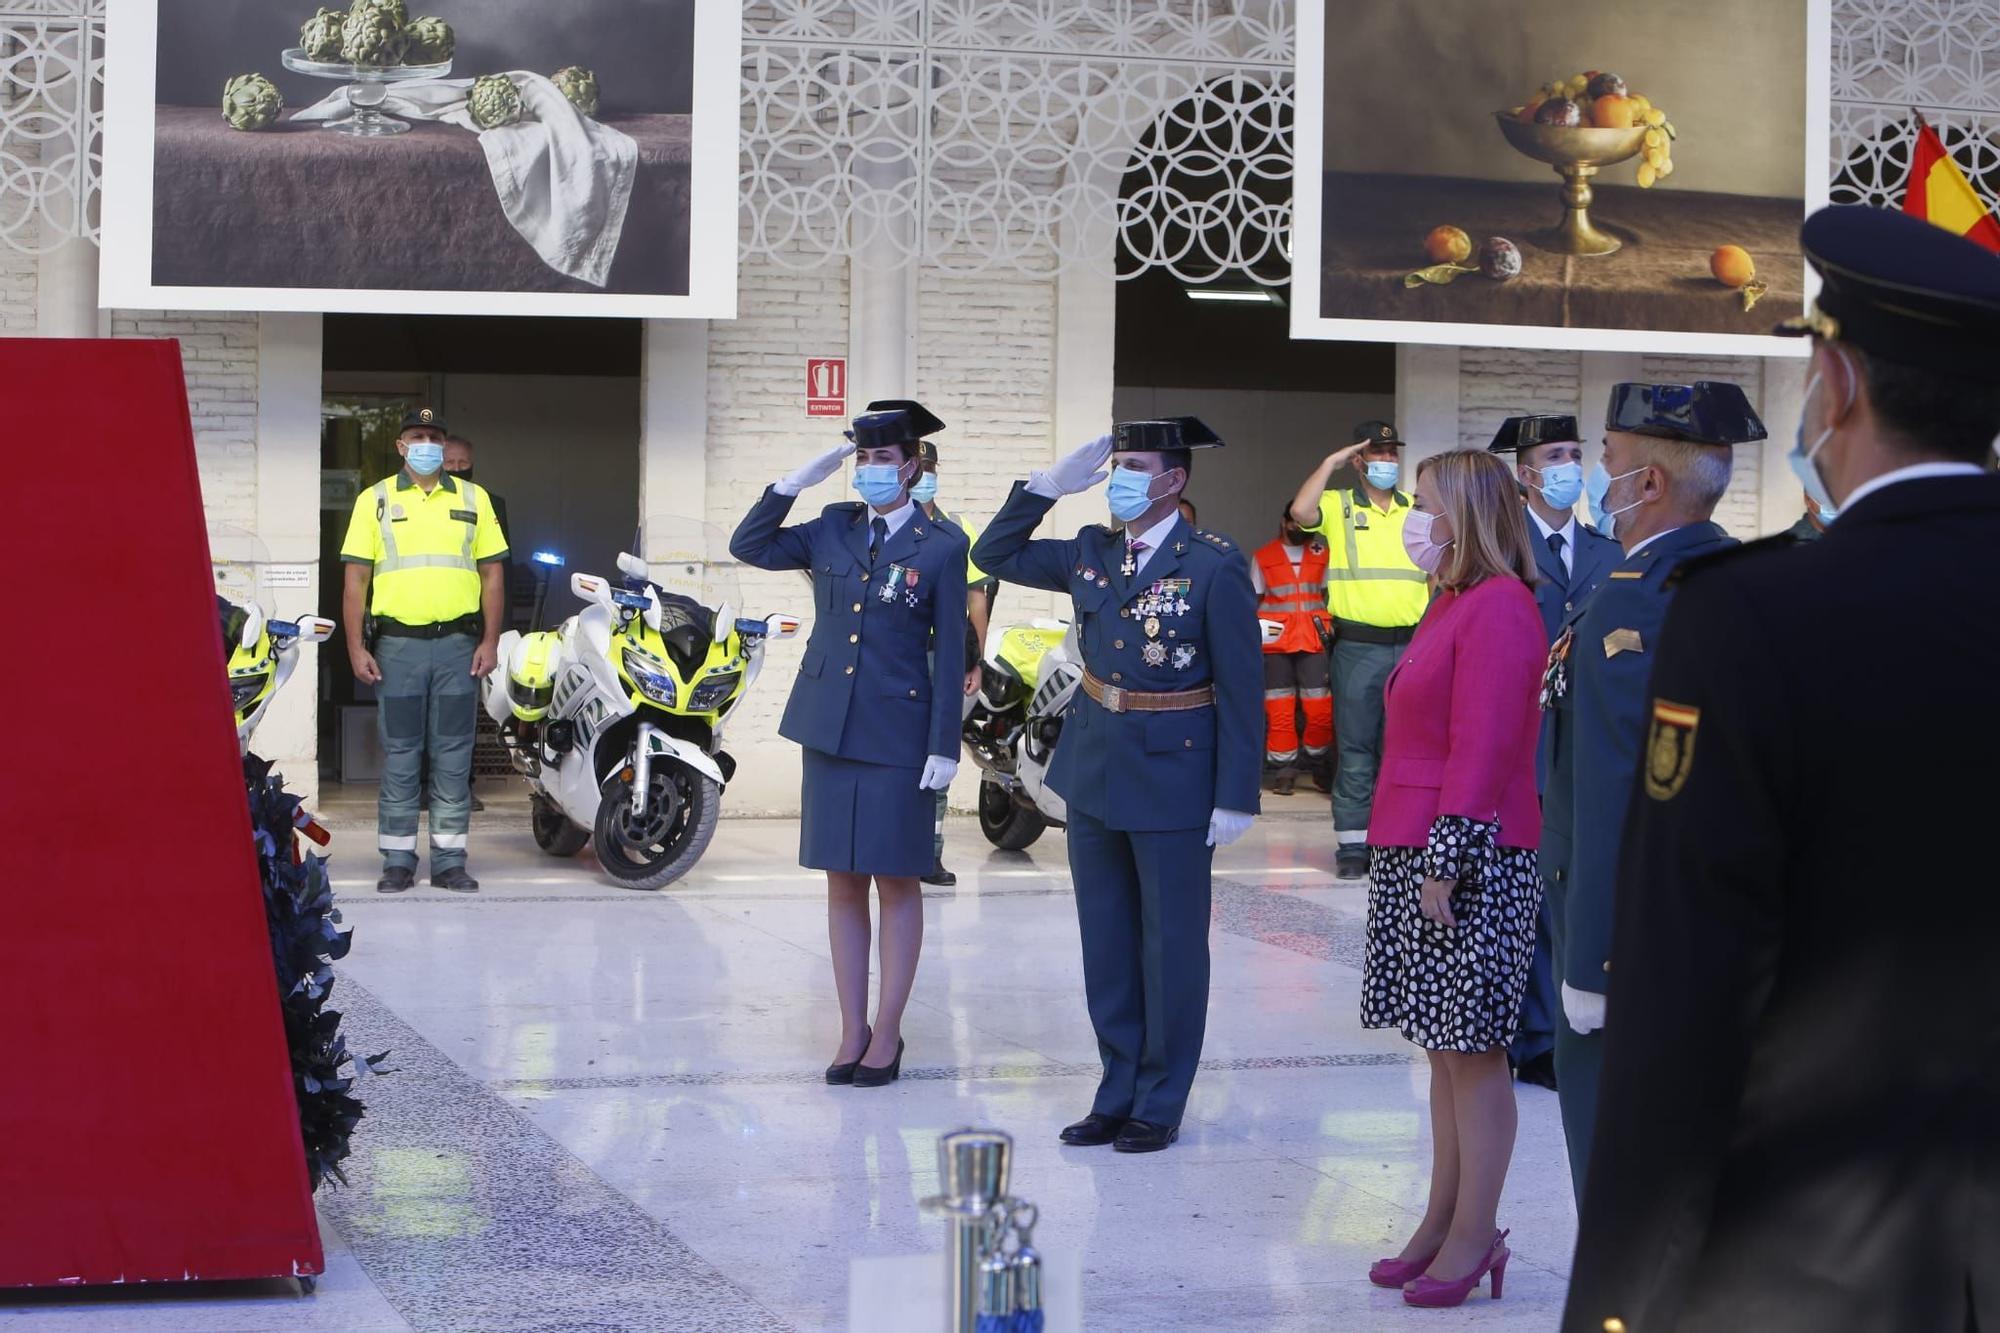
(1215, 539)
(1783, 541)
(850, 508)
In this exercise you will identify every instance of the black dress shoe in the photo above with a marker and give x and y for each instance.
(939, 876)
(1539, 1070)
(844, 1074)
(1144, 1136)
(456, 879)
(1093, 1131)
(1351, 864)
(395, 879)
(878, 1076)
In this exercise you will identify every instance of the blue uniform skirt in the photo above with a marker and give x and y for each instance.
(864, 819)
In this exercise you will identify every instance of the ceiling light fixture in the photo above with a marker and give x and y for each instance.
(1235, 295)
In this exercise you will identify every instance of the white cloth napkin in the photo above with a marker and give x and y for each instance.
(564, 179)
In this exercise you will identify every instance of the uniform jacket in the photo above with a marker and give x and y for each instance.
(1146, 772)
(884, 670)
(1460, 719)
(1802, 1066)
(1598, 727)
(1559, 594)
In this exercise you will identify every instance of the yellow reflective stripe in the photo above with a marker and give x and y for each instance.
(1347, 529)
(1411, 575)
(393, 561)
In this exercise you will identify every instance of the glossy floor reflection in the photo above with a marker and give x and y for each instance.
(610, 1114)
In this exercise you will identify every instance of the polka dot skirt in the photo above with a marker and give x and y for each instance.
(1451, 988)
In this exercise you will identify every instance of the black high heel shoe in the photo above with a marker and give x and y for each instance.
(877, 1076)
(844, 1074)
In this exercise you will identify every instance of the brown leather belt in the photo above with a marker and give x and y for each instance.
(1117, 699)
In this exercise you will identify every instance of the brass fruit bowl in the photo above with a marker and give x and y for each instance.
(1576, 153)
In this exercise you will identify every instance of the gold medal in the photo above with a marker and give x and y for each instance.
(1152, 627)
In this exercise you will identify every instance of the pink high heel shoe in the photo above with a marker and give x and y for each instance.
(1397, 1272)
(1437, 1294)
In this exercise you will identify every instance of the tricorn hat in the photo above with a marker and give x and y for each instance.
(1163, 434)
(1705, 412)
(1517, 433)
(893, 421)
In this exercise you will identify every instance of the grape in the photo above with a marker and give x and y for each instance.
(1647, 175)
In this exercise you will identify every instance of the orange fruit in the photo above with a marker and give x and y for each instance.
(1732, 266)
(1526, 115)
(1447, 245)
(1613, 113)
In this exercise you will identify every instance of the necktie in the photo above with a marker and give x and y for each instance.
(1556, 544)
(881, 529)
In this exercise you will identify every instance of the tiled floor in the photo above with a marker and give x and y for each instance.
(608, 1113)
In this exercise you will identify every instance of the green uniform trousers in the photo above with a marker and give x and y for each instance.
(426, 705)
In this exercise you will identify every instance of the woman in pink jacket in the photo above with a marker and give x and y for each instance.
(1451, 910)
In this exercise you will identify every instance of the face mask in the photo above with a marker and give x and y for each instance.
(925, 490)
(1801, 458)
(424, 457)
(880, 484)
(1599, 486)
(1562, 484)
(1130, 494)
(1294, 537)
(1383, 476)
(1424, 553)
(463, 474)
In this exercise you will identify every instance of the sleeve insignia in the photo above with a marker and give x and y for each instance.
(1670, 748)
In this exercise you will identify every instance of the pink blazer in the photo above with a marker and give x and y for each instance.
(1462, 715)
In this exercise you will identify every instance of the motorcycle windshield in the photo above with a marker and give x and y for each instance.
(690, 559)
(241, 565)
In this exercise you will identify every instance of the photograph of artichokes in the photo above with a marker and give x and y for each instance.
(560, 134)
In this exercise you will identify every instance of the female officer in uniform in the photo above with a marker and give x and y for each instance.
(875, 708)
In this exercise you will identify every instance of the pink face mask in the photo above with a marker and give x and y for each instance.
(1424, 553)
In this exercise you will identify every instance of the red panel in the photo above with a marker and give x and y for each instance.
(147, 1126)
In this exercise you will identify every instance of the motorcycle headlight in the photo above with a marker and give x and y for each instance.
(714, 692)
(653, 682)
(243, 690)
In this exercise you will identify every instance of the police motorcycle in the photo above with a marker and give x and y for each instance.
(1015, 720)
(616, 717)
(262, 649)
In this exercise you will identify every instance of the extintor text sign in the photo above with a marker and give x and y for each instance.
(826, 386)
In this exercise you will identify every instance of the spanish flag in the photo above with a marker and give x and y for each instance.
(1939, 192)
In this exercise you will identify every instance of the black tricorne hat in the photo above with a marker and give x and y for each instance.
(1517, 433)
(893, 421)
(1705, 412)
(422, 417)
(1152, 437)
(1902, 289)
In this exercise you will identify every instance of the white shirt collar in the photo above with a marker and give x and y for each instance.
(1914, 472)
(1568, 530)
(1156, 536)
(895, 518)
(1650, 540)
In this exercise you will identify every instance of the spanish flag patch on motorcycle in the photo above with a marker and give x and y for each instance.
(1670, 749)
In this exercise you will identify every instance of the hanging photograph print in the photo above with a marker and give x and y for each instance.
(1625, 175)
(423, 156)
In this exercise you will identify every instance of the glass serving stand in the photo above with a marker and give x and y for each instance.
(367, 86)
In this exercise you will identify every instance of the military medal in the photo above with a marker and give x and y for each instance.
(1183, 656)
(1152, 627)
(1555, 680)
(1153, 652)
(1131, 564)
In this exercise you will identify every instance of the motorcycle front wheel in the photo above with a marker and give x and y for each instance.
(652, 850)
(555, 832)
(1007, 824)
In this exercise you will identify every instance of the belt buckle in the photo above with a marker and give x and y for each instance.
(1114, 698)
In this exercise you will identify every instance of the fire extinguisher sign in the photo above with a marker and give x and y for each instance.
(826, 386)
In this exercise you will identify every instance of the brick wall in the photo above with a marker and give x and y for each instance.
(219, 354)
(1739, 512)
(17, 290)
(1495, 383)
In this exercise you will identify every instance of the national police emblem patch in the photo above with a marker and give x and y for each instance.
(1670, 748)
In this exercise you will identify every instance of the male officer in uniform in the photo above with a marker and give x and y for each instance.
(979, 589)
(1802, 1075)
(425, 562)
(1159, 757)
(1377, 596)
(1667, 460)
(1572, 559)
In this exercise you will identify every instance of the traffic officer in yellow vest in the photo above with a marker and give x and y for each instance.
(423, 603)
(1377, 595)
(1290, 578)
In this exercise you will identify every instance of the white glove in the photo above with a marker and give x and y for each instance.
(938, 773)
(1584, 1009)
(1226, 826)
(813, 473)
(1074, 472)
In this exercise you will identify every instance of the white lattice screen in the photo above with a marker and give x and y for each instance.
(1030, 135)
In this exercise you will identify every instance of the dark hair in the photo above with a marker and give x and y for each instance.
(1955, 415)
(1178, 458)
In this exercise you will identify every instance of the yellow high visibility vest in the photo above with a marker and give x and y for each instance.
(426, 548)
(1370, 578)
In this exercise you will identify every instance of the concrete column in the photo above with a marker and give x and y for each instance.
(1780, 498)
(882, 297)
(673, 420)
(288, 523)
(66, 293)
(1601, 370)
(1426, 402)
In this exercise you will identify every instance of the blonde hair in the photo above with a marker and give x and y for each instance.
(1482, 502)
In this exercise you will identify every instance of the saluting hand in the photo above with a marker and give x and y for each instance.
(1081, 468)
(822, 466)
(1435, 901)
(1340, 458)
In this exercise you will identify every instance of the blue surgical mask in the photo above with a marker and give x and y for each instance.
(1562, 484)
(1383, 476)
(880, 484)
(1801, 459)
(424, 457)
(925, 490)
(1598, 486)
(1130, 493)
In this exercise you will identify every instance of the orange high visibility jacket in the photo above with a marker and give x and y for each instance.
(1296, 596)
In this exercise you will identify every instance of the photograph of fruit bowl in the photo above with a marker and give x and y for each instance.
(423, 156)
(1647, 197)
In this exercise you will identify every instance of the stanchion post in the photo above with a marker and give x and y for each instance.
(973, 1170)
